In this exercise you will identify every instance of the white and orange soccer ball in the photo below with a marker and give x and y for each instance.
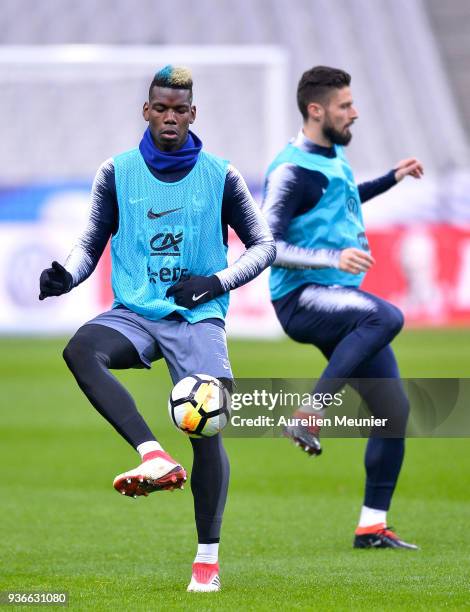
(199, 405)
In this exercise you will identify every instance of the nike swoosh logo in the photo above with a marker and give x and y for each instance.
(135, 200)
(152, 215)
(196, 298)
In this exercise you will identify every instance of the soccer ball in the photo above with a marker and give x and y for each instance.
(199, 405)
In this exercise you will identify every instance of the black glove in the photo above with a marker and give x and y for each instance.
(195, 290)
(54, 281)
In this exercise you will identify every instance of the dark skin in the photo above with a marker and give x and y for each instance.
(169, 113)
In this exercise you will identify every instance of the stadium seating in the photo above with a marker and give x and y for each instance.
(389, 47)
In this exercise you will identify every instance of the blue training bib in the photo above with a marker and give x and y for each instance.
(167, 232)
(334, 223)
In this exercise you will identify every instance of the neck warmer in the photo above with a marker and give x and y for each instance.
(165, 161)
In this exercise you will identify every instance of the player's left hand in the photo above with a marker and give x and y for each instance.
(408, 167)
(195, 290)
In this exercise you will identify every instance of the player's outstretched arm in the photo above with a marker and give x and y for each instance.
(409, 167)
(240, 211)
(406, 167)
(100, 224)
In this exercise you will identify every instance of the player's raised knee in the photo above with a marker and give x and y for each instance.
(78, 349)
(393, 320)
(398, 319)
(70, 353)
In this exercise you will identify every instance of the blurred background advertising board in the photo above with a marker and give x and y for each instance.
(424, 268)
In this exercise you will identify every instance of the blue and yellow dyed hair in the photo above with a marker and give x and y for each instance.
(175, 77)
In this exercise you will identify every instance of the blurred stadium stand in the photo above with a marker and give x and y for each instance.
(450, 22)
(392, 48)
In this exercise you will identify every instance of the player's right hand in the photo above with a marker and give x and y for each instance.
(355, 261)
(54, 281)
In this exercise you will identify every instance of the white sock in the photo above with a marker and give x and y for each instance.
(372, 516)
(148, 447)
(308, 409)
(207, 553)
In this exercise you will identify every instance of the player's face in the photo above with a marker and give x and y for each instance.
(339, 115)
(169, 113)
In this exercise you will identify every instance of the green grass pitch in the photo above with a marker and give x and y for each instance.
(289, 522)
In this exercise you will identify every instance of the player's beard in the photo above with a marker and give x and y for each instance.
(334, 136)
